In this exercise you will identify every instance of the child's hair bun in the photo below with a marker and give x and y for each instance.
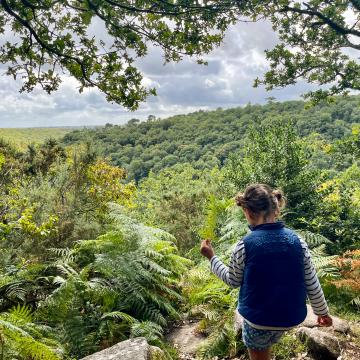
(261, 199)
(240, 199)
(280, 197)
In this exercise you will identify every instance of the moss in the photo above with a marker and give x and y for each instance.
(157, 354)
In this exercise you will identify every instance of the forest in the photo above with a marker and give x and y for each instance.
(141, 196)
(206, 138)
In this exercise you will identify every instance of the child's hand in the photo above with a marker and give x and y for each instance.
(206, 249)
(325, 320)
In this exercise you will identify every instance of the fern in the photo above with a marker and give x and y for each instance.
(208, 312)
(235, 226)
(215, 210)
(153, 334)
(14, 290)
(151, 331)
(209, 299)
(65, 254)
(356, 302)
(324, 264)
(312, 239)
(118, 315)
(348, 284)
(120, 284)
(23, 338)
(21, 314)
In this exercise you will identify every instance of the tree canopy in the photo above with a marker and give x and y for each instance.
(319, 41)
(56, 36)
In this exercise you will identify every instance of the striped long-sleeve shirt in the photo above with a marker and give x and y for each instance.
(232, 275)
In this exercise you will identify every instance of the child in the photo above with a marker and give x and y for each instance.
(272, 266)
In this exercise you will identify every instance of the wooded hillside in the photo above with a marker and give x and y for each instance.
(206, 138)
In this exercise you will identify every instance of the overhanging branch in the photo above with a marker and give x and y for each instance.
(314, 13)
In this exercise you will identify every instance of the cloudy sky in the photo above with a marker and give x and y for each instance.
(182, 87)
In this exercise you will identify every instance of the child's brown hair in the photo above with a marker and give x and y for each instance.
(261, 199)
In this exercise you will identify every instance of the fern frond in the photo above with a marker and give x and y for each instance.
(312, 239)
(150, 330)
(356, 302)
(21, 314)
(235, 225)
(66, 254)
(14, 290)
(325, 265)
(118, 315)
(22, 343)
(209, 313)
(65, 269)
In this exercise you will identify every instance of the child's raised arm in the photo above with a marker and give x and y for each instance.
(231, 275)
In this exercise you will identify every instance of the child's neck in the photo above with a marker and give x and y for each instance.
(263, 220)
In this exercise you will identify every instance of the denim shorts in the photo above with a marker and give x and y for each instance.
(256, 339)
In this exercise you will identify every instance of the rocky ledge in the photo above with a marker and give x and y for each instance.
(333, 343)
(132, 349)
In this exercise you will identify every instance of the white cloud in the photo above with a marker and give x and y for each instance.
(182, 87)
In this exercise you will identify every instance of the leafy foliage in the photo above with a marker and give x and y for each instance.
(208, 297)
(58, 36)
(211, 299)
(349, 266)
(52, 197)
(274, 155)
(324, 263)
(312, 37)
(289, 345)
(338, 212)
(175, 199)
(105, 185)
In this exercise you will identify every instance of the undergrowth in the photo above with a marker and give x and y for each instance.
(289, 346)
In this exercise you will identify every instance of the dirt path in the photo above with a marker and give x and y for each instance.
(185, 338)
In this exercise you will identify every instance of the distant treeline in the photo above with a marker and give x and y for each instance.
(206, 138)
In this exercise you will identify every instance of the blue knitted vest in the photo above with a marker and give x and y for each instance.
(273, 291)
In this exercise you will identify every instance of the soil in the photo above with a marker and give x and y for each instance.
(185, 338)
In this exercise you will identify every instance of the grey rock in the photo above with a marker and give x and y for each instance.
(322, 345)
(132, 349)
(339, 325)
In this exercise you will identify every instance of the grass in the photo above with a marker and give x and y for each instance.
(24, 136)
(288, 346)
